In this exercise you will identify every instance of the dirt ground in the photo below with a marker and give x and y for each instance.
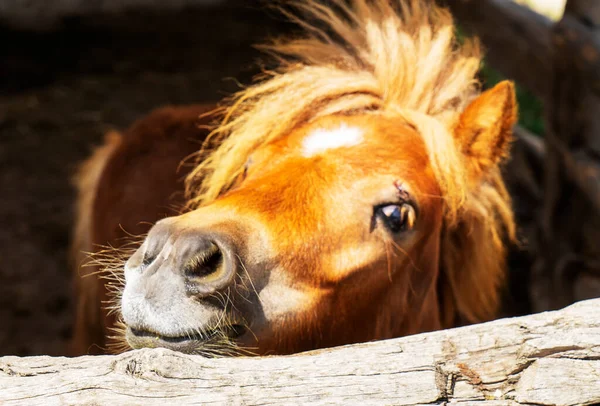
(60, 91)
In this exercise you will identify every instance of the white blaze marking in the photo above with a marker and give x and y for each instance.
(321, 140)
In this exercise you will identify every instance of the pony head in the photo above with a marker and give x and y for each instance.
(353, 194)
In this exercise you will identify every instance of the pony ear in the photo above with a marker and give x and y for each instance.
(484, 130)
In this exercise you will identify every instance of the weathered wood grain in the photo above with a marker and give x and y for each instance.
(546, 359)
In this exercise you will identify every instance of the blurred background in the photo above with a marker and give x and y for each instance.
(71, 70)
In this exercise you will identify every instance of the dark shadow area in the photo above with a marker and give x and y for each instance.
(60, 91)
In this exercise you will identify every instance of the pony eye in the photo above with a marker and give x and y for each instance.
(398, 217)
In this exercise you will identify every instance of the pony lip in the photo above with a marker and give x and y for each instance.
(190, 342)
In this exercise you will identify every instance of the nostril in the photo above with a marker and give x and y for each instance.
(138, 260)
(206, 263)
(147, 260)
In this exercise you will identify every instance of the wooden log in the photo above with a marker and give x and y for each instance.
(544, 359)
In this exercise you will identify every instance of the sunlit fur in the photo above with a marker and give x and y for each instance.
(378, 65)
(389, 58)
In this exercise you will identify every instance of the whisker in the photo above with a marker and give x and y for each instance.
(249, 277)
(388, 256)
(403, 251)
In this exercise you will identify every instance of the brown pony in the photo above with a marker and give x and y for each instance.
(353, 194)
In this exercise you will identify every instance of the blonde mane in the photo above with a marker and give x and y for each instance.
(385, 57)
